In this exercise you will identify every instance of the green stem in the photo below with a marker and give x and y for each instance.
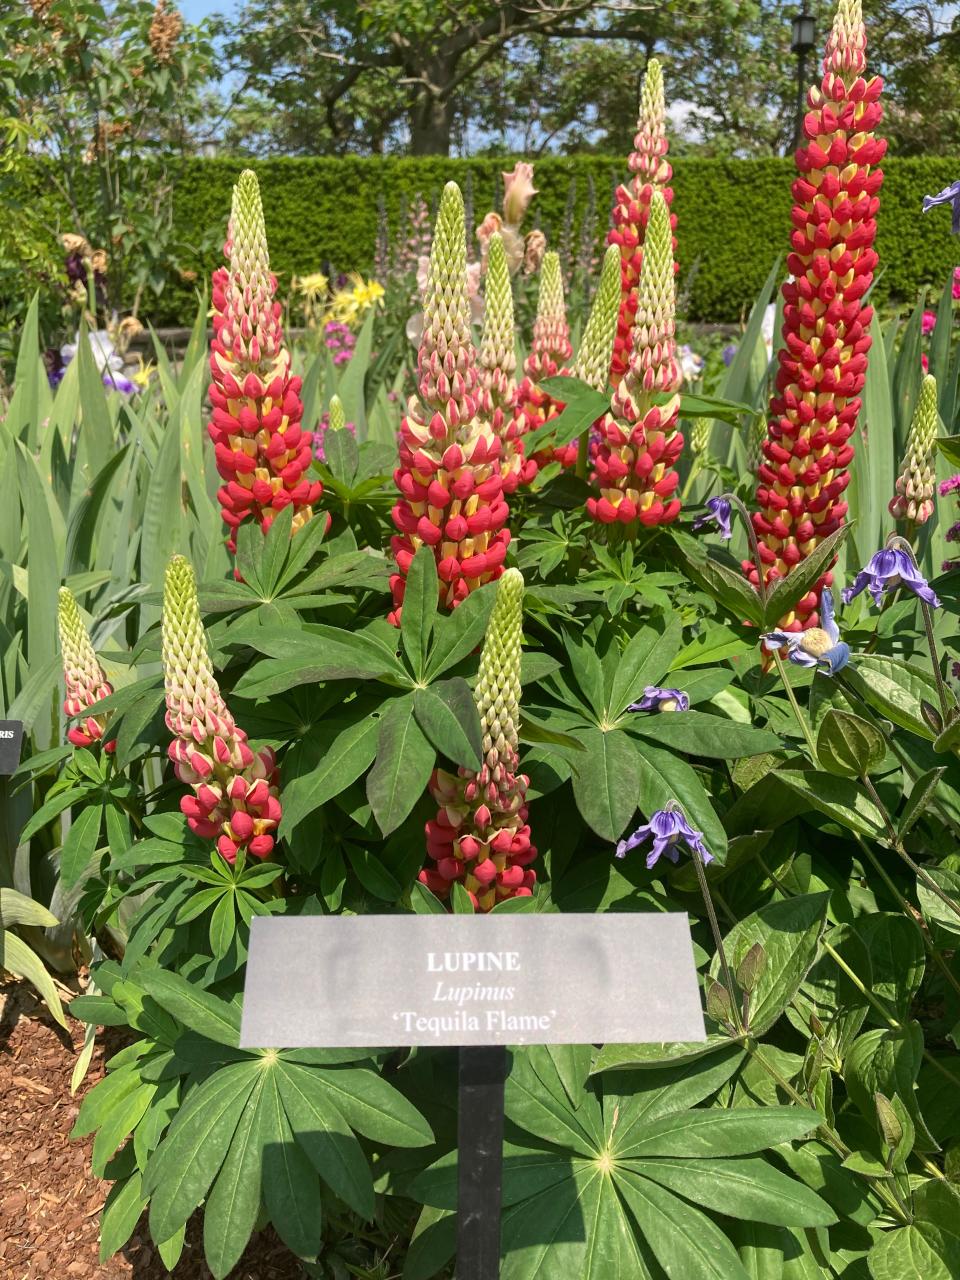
(901, 853)
(583, 455)
(792, 698)
(718, 941)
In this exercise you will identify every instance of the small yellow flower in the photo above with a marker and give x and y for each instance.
(143, 374)
(313, 286)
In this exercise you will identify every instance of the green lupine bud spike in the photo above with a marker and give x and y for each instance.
(446, 323)
(497, 348)
(596, 348)
(250, 256)
(916, 482)
(338, 416)
(498, 682)
(700, 436)
(550, 303)
(653, 105)
(654, 366)
(187, 669)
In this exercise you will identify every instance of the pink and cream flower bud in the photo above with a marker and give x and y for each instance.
(480, 837)
(235, 798)
(84, 681)
(631, 211)
(634, 459)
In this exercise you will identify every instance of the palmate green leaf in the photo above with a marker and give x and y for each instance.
(290, 1185)
(712, 1132)
(787, 591)
(665, 777)
(447, 714)
(432, 1244)
(372, 874)
(326, 1138)
(402, 769)
(531, 1105)
(121, 1212)
(546, 1235)
(606, 781)
(118, 1124)
(644, 661)
(686, 1243)
(192, 1006)
(420, 600)
(342, 755)
(181, 1170)
(719, 575)
(81, 844)
(698, 733)
(927, 1249)
(231, 1208)
(107, 1094)
(789, 933)
(373, 1107)
(458, 634)
(632, 1101)
(746, 1188)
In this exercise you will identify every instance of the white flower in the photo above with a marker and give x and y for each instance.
(104, 353)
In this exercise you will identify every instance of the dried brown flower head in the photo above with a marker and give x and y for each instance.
(164, 31)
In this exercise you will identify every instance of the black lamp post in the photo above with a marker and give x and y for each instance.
(804, 37)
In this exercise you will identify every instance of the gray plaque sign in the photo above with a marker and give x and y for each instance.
(11, 737)
(371, 981)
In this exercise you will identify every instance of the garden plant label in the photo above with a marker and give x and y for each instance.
(466, 980)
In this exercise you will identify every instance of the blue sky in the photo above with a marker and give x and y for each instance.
(194, 10)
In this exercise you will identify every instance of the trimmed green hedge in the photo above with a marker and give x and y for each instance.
(733, 217)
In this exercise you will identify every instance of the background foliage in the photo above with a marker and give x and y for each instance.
(734, 213)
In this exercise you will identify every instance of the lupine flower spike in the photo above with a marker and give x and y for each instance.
(235, 798)
(891, 568)
(639, 444)
(667, 827)
(480, 837)
(916, 483)
(497, 392)
(816, 646)
(651, 172)
(592, 363)
(451, 488)
(84, 682)
(550, 353)
(823, 361)
(262, 454)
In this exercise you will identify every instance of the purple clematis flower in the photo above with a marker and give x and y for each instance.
(719, 514)
(667, 827)
(818, 646)
(657, 699)
(949, 195)
(887, 570)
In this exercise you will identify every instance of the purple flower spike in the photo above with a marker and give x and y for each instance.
(667, 827)
(887, 570)
(949, 195)
(719, 513)
(657, 699)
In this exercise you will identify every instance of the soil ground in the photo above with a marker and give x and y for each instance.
(49, 1201)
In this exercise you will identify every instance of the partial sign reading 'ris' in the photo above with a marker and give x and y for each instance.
(342, 982)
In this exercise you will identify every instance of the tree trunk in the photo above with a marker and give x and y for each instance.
(431, 126)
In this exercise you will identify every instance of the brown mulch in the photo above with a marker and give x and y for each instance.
(49, 1201)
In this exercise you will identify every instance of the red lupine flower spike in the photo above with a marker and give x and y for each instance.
(826, 327)
(262, 453)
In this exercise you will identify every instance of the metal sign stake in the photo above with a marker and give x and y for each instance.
(480, 1161)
